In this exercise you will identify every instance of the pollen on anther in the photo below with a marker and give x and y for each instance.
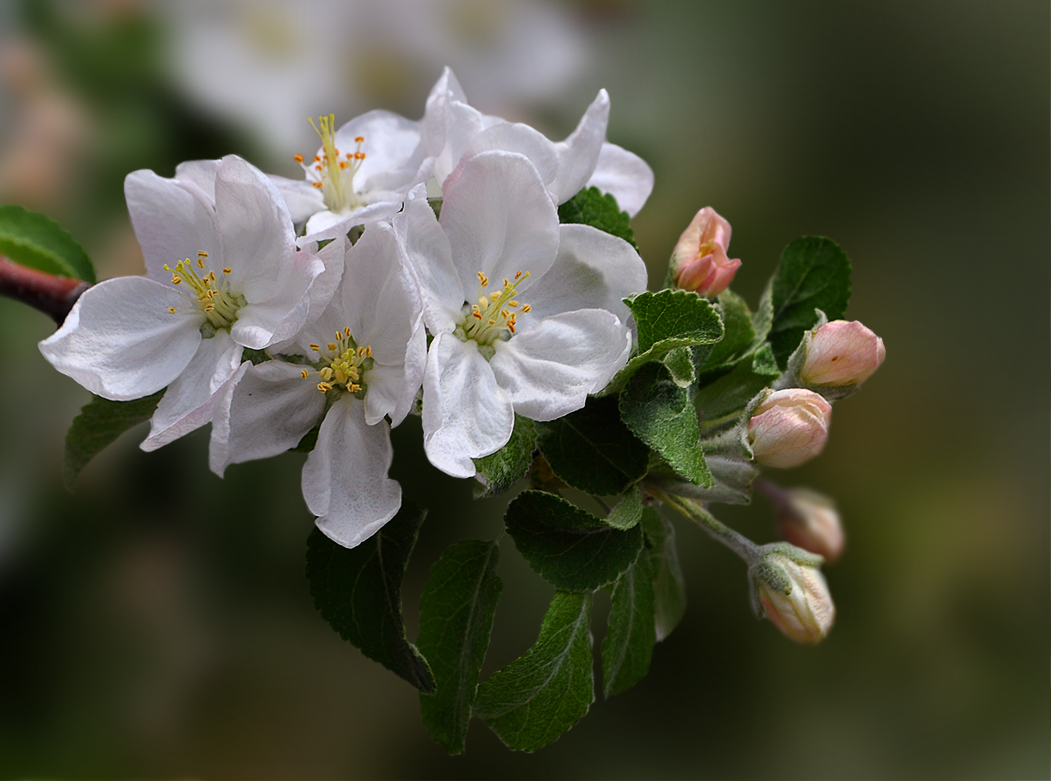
(527, 308)
(227, 270)
(201, 253)
(324, 387)
(317, 158)
(359, 140)
(305, 373)
(171, 309)
(331, 346)
(316, 348)
(298, 158)
(318, 185)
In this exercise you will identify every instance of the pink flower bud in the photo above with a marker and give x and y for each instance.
(809, 521)
(699, 261)
(841, 353)
(789, 427)
(803, 608)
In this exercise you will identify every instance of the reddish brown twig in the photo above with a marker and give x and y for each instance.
(51, 294)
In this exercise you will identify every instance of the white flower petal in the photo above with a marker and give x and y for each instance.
(191, 399)
(264, 323)
(201, 173)
(427, 249)
(392, 147)
(465, 413)
(521, 139)
(301, 197)
(173, 220)
(121, 342)
(594, 270)
(499, 219)
(550, 370)
(579, 153)
(345, 479)
(270, 410)
(329, 225)
(625, 176)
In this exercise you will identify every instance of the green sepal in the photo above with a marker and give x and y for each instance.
(547, 690)
(591, 207)
(662, 415)
(501, 470)
(680, 363)
(358, 592)
(628, 645)
(669, 587)
(592, 450)
(98, 425)
(814, 273)
(570, 548)
(666, 321)
(456, 618)
(31, 239)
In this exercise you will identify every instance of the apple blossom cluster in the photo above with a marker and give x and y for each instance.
(471, 271)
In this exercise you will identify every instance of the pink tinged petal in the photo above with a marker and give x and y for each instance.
(192, 399)
(466, 414)
(269, 411)
(173, 220)
(257, 233)
(120, 341)
(427, 249)
(550, 370)
(625, 176)
(593, 270)
(579, 153)
(345, 479)
(301, 198)
(499, 219)
(520, 139)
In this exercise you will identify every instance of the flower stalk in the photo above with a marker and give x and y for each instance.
(51, 294)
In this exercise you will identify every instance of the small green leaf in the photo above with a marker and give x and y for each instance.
(456, 617)
(358, 591)
(814, 273)
(740, 334)
(34, 240)
(628, 511)
(669, 588)
(667, 321)
(591, 207)
(721, 402)
(98, 425)
(309, 440)
(536, 698)
(592, 450)
(570, 548)
(681, 366)
(662, 415)
(501, 470)
(628, 645)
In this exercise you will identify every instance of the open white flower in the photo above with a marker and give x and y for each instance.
(362, 360)
(362, 172)
(453, 129)
(527, 314)
(222, 274)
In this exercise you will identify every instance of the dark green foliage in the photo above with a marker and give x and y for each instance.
(591, 207)
(34, 240)
(98, 425)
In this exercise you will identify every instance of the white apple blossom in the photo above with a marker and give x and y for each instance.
(452, 128)
(527, 315)
(222, 274)
(362, 360)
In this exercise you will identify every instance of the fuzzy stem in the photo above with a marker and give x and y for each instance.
(51, 294)
(694, 510)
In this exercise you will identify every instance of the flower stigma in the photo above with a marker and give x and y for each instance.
(495, 315)
(333, 172)
(209, 292)
(342, 364)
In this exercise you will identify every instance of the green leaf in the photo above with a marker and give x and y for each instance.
(628, 645)
(98, 425)
(680, 365)
(536, 698)
(669, 588)
(34, 240)
(721, 402)
(662, 415)
(592, 450)
(591, 207)
(456, 617)
(358, 591)
(739, 332)
(569, 547)
(814, 273)
(309, 440)
(628, 511)
(667, 321)
(501, 470)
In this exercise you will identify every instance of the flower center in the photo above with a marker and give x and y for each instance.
(342, 364)
(207, 291)
(333, 172)
(494, 316)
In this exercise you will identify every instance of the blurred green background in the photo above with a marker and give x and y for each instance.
(156, 623)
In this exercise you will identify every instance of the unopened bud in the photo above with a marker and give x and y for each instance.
(699, 261)
(809, 520)
(790, 590)
(841, 353)
(789, 427)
